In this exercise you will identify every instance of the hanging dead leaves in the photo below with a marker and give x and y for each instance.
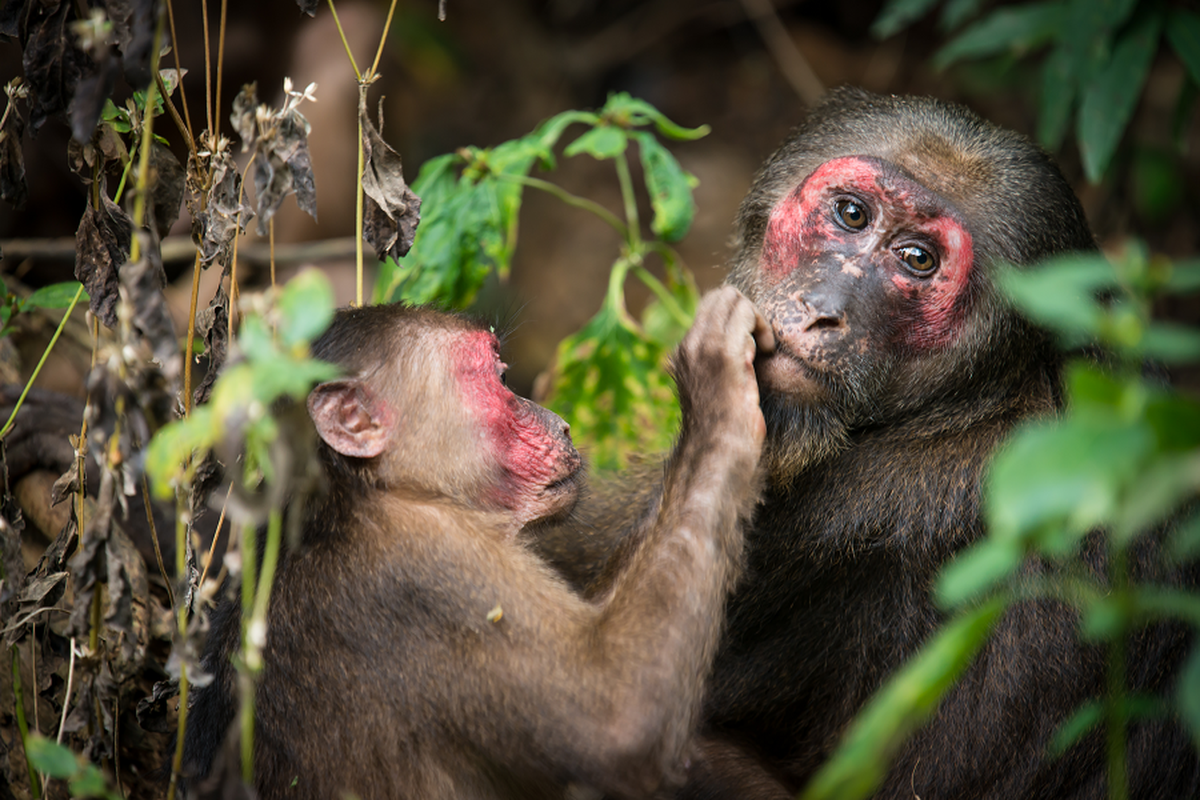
(391, 210)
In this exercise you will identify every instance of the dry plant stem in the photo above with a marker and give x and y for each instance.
(184, 128)
(208, 74)
(364, 81)
(215, 127)
(177, 759)
(179, 71)
(233, 262)
(41, 362)
(154, 538)
(35, 785)
(62, 722)
(212, 548)
(387, 26)
(191, 338)
(248, 547)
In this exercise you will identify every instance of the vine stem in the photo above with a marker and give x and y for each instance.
(41, 362)
(634, 233)
(353, 64)
(664, 296)
(571, 199)
(358, 198)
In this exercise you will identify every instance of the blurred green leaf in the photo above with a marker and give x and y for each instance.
(1061, 294)
(1189, 694)
(1087, 717)
(906, 701)
(1110, 98)
(305, 307)
(1183, 32)
(665, 327)
(1184, 277)
(670, 189)
(976, 570)
(898, 14)
(1184, 544)
(605, 141)
(1065, 476)
(51, 758)
(1171, 343)
(1020, 28)
(956, 12)
(1059, 92)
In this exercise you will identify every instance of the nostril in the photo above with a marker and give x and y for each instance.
(824, 323)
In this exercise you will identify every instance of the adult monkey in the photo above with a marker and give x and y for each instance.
(417, 647)
(869, 241)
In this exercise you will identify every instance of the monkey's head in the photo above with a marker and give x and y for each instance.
(869, 242)
(425, 412)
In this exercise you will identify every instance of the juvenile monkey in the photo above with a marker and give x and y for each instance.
(418, 647)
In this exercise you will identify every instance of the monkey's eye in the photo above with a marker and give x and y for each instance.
(851, 215)
(918, 260)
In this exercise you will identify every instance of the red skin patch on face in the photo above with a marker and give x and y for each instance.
(529, 456)
(802, 233)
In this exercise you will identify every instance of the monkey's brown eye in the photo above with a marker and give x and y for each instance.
(851, 214)
(919, 260)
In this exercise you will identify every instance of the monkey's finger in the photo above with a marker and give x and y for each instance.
(764, 336)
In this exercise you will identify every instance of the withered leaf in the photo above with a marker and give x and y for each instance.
(142, 17)
(392, 211)
(93, 89)
(53, 64)
(224, 216)
(118, 13)
(213, 324)
(152, 711)
(283, 166)
(309, 6)
(13, 188)
(144, 283)
(101, 247)
(167, 196)
(242, 115)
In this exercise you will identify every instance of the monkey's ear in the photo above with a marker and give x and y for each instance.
(347, 418)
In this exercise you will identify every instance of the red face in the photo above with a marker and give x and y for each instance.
(530, 445)
(860, 260)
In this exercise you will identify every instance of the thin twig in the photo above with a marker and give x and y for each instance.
(792, 63)
(387, 26)
(179, 71)
(357, 75)
(154, 538)
(62, 722)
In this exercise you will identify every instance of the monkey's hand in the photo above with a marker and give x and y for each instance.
(714, 369)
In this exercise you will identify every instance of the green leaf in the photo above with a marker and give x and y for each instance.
(1022, 28)
(305, 308)
(1109, 100)
(1183, 32)
(1063, 478)
(905, 702)
(1184, 277)
(611, 385)
(51, 758)
(1086, 717)
(89, 783)
(977, 570)
(173, 445)
(1061, 294)
(57, 295)
(1059, 92)
(631, 112)
(956, 12)
(1189, 694)
(605, 141)
(670, 189)
(899, 14)
(1171, 343)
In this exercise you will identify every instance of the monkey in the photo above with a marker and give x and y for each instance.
(416, 644)
(870, 241)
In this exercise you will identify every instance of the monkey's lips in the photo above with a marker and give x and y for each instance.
(784, 372)
(558, 497)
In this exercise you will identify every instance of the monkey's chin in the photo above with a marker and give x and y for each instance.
(782, 373)
(557, 499)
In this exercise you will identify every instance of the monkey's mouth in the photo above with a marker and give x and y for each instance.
(784, 372)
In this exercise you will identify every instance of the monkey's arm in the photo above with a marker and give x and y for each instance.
(617, 683)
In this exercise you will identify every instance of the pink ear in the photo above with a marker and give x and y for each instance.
(348, 420)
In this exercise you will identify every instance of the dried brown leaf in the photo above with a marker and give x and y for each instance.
(166, 198)
(143, 283)
(392, 210)
(283, 167)
(13, 188)
(242, 115)
(101, 247)
(224, 215)
(213, 325)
